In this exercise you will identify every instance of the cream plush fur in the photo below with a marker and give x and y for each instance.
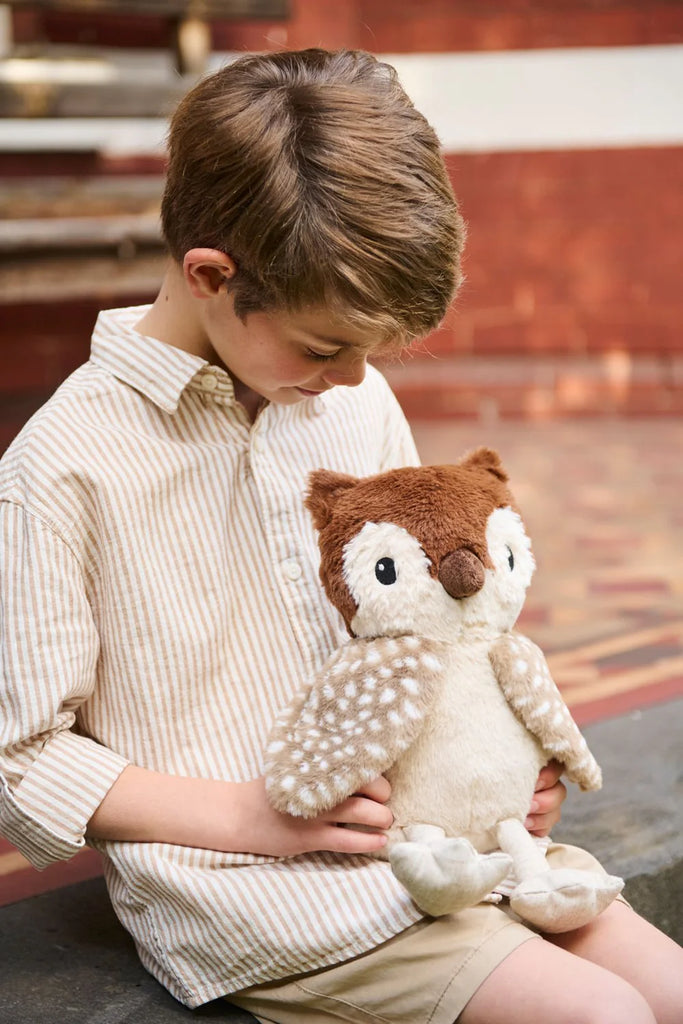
(439, 694)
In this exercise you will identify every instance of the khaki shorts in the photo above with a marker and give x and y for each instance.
(425, 975)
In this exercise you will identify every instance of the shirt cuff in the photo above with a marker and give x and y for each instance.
(47, 814)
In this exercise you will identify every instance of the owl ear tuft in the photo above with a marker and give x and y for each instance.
(487, 459)
(324, 488)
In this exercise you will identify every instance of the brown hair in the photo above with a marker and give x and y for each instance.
(315, 173)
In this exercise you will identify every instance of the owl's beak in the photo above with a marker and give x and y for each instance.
(461, 573)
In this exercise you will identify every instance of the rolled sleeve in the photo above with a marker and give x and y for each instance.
(51, 778)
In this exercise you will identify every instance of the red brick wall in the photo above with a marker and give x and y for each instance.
(394, 25)
(570, 252)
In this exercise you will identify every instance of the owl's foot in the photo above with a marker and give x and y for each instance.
(445, 875)
(564, 899)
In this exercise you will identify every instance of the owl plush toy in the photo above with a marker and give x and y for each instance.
(429, 567)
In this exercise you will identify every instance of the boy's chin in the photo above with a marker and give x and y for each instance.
(295, 394)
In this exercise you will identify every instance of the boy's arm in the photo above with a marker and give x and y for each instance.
(234, 817)
(55, 783)
(51, 779)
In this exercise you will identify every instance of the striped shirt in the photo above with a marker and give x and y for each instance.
(160, 603)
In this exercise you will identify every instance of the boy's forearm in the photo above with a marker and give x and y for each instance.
(233, 817)
(148, 806)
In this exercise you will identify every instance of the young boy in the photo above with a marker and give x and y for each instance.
(160, 595)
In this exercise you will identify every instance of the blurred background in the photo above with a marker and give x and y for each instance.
(562, 124)
(562, 121)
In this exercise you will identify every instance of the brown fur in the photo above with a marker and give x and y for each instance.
(420, 499)
(314, 171)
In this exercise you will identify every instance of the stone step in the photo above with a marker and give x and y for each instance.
(65, 957)
(35, 97)
(71, 214)
(62, 84)
(183, 29)
(33, 196)
(125, 234)
(40, 216)
(634, 825)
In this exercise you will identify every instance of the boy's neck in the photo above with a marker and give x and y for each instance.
(172, 319)
(251, 401)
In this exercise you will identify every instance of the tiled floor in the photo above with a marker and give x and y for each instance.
(603, 504)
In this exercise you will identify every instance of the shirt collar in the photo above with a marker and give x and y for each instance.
(162, 372)
(159, 371)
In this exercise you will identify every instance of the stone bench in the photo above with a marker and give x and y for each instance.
(634, 825)
(64, 956)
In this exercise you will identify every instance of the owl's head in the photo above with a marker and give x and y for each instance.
(432, 550)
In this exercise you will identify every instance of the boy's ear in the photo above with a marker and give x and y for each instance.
(207, 270)
(324, 487)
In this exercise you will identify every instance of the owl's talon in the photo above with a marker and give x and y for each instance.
(445, 875)
(564, 899)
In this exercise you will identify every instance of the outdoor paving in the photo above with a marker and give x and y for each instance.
(602, 503)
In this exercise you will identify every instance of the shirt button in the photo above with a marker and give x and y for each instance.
(292, 570)
(210, 381)
(258, 444)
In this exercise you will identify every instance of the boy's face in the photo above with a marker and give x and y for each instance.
(288, 357)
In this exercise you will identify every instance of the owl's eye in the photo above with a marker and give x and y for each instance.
(511, 559)
(385, 571)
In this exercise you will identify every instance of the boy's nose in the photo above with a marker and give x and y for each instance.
(349, 374)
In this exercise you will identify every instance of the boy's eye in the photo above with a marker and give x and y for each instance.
(321, 356)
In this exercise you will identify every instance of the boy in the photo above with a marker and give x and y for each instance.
(161, 597)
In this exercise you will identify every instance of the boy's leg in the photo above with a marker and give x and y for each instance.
(630, 947)
(539, 982)
(617, 968)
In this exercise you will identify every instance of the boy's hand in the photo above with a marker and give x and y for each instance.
(546, 807)
(282, 835)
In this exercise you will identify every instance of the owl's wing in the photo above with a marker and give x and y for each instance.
(364, 708)
(524, 677)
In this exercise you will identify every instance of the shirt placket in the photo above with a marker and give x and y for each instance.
(289, 539)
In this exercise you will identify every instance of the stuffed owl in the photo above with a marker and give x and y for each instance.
(429, 568)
